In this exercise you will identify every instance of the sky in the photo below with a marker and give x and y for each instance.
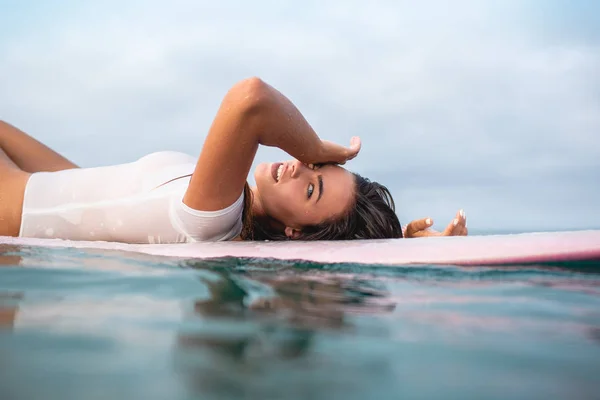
(490, 106)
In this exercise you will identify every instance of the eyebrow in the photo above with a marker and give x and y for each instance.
(320, 177)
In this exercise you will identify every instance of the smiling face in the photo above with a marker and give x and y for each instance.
(297, 196)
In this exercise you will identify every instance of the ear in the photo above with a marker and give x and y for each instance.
(292, 233)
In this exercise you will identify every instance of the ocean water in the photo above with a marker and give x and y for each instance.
(91, 324)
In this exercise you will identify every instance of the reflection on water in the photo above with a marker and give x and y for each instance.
(106, 324)
(262, 323)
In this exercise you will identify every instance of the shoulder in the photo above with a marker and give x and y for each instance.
(167, 158)
(199, 225)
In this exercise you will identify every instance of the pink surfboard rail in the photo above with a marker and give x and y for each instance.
(473, 250)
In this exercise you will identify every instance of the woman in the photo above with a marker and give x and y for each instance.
(169, 197)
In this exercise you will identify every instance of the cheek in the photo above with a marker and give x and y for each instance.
(283, 201)
(281, 197)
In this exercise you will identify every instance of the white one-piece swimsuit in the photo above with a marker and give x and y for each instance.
(138, 202)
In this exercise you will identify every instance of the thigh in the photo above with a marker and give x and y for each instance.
(12, 190)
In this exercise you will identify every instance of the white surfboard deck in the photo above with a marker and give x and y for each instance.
(473, 250)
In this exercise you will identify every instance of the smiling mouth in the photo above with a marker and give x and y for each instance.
(274, 169)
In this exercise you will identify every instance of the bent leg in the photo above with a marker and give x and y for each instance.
(29, 154)
(12, 190)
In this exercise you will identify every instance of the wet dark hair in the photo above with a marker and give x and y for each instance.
(372, 216)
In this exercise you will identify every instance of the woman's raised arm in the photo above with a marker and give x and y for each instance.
(253, 113)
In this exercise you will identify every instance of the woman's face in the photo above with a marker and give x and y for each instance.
(296, 195)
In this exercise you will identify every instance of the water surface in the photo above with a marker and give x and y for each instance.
(98, 324)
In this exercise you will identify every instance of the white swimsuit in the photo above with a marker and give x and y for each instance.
(131, 203)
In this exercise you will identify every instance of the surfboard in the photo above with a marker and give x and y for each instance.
(527, 248)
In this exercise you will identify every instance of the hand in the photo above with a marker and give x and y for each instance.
(420, 227)
(338, 154)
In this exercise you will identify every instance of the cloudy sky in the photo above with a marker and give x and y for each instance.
(491, 106)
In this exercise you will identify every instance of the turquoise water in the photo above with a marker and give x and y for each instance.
(80, 324)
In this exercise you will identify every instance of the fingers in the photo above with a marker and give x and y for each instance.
(421, 227)
(458, 226)
(352, 151)
(415, 227)
(333, 153)
(355, 146)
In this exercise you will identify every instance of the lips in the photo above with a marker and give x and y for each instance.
(274, 168)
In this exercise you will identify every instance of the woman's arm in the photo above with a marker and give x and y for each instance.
(253, 113)
(29, 154)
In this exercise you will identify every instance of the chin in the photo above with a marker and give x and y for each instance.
(260, 171)
(260, 168)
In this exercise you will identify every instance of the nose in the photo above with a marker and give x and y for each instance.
(297, 168)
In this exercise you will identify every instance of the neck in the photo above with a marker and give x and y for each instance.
(259, 213)
(257, 207)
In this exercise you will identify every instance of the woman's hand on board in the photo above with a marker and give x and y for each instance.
(422, 227)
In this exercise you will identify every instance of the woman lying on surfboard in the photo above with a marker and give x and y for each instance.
(170, 197)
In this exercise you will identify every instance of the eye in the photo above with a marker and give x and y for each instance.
(311, 189)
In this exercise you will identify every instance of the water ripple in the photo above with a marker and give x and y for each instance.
(86, 324)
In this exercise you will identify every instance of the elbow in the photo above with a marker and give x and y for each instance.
(250, 96)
